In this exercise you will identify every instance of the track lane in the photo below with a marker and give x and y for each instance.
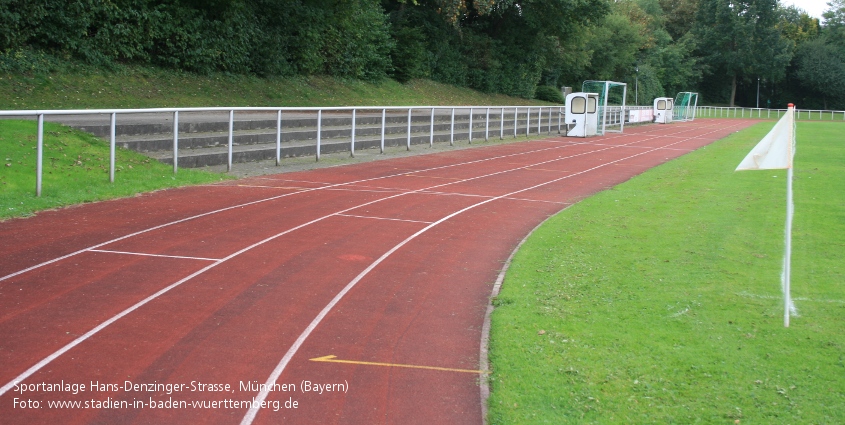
(430, 178)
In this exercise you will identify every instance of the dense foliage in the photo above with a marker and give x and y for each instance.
(721, 48)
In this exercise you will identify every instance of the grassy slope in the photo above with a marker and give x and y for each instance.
(135, 87)
(75, 170)
(660, 299)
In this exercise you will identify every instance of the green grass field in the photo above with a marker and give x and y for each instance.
(659, 301)
(76, 168)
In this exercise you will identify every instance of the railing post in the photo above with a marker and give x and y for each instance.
(175, 141)
(470, 125)
(515, 122)
(487, 126)
(279, 138)
(539, 120)
(383, 124)
(231, 138)
(352, 144)
(502, 125)
(319, 130)
(528, 122)
(559, 118)
(550, 120)
(39, 156)
(409, 128)
(431, 135)
(112, 145)
(452, 130)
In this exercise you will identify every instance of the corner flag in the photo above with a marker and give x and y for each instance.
(775, 151)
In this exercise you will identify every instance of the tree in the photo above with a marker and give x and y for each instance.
(820, 69)
(797, 26)
(739, 39)
(834, 22)
(680, 16)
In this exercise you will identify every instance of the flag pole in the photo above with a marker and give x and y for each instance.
(775, 152)
(787, 256)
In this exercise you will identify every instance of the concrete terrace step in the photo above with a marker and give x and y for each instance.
(218, 155)
(156, 142)
(204, 136)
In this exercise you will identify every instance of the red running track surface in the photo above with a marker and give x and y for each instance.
(243, 283)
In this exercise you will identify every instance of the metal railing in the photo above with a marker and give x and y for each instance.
(543, 116)
(740, 112)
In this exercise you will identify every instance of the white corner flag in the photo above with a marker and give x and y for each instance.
(776, 151)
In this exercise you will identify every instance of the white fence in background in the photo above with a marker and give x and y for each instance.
(739, 112)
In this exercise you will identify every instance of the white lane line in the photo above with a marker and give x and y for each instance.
(262, 395)
(652, 147)
(150, 229)
(341, 189)
(134, 307)
(383, 218)
(153, 255)
(538, 200)
(289, 180)
(263, 187)
(468, 195)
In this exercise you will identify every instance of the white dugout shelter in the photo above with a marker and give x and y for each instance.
(663, 110)
(582, 114)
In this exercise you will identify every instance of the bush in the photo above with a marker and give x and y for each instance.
(549, 94)
(265, 37)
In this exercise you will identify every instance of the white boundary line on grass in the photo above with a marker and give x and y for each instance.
(780, 297)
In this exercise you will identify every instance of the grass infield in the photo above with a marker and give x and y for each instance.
(76, 170)
(659, 301)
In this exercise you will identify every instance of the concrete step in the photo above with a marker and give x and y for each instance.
(157, 142)
(204, 137)
(218, 155)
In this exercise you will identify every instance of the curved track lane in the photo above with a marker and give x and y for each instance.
(372, 278)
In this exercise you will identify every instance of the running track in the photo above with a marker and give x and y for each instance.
(389, 262)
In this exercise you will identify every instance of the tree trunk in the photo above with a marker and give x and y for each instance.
(733, 90)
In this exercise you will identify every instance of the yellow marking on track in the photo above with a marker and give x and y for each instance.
(334, 359)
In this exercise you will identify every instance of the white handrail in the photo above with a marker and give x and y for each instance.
(113, 113)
